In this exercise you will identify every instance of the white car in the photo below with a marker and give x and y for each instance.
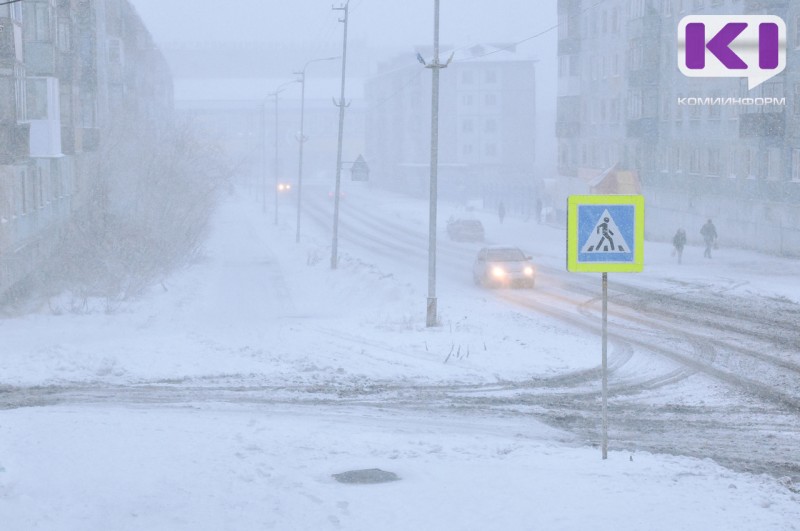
(503, 267)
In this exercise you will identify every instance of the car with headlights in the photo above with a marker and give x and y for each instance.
(465, 230)
(503, 266)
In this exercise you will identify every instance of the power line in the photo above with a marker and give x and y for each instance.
(10, 2)
(526, 39)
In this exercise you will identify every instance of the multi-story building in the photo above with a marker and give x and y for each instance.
(624, 104)
(67, 69)
(486, 141)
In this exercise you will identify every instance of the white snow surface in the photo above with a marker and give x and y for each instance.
(262, 310)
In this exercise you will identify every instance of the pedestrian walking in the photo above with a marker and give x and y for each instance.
(501, 211)
(709, 233)
(538, 210)
(679, 242)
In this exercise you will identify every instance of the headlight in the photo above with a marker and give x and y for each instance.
(498, 272)
(528, 271)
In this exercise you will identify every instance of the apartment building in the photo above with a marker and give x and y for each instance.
(624, 104)
(68, 70)
(487, 113)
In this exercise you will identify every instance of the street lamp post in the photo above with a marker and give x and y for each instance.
(278, 90)
(302, 138)
(431, 318)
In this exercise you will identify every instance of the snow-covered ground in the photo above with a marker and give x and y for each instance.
(265, 317)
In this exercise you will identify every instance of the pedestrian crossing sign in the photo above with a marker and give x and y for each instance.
(605, 233)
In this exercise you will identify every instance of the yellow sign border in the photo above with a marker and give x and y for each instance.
(573, 265)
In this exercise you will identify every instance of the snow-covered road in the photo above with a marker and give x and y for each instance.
(228, 400)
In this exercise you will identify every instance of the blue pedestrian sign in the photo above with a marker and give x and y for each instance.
(605, 233)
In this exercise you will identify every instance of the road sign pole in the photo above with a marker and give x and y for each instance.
(605, 366)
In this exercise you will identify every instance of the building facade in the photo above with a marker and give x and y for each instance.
(487, 113)
(623, 103)
(69, 70)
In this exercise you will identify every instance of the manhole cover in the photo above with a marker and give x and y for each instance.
(368, 475)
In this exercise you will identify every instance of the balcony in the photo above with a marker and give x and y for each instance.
(569, 46)
(14, 140)
(568, 129)
(765, 125)
(643, 129)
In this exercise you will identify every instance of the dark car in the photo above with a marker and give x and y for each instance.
(465, 230)
(503, 267)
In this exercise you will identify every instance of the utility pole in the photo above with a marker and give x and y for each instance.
(276, 154)
(302, 139)
(431, 318)
(278, 90)
(264, 157)
(341, 105)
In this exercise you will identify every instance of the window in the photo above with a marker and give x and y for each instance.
(466, 126)
(491, 76)
(635, 55)
(747, 163)
(574, 65)
(64, 36)
(490, 126)
(797, 31)
(20, 94)
(796, 98)
(491, 150)
(763, 164)
(23, 190)
(694, 161)
(676, 159)
(796, 164)
(466, 99)
(667, 8)
(698, 4)
(466, 77)
(16, 11)
(36, 98)
(490, 100)
(466, 149)
(115, 51)
(713, 162)
(634, 105)
(695, 112)
(636, 9)
(37, 22)
(715, 111)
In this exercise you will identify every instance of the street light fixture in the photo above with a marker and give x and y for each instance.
(302, 138)
(278, 90)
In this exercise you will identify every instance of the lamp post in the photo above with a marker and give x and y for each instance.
(278, 90)
(431, 318)
(302, 138)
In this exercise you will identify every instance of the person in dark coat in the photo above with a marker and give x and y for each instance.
(679, 242)
(501, 211)
(709, 233)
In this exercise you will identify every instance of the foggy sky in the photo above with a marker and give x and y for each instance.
(386, 27)
(392, 23)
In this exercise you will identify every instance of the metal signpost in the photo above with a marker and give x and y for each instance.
(605, 233)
